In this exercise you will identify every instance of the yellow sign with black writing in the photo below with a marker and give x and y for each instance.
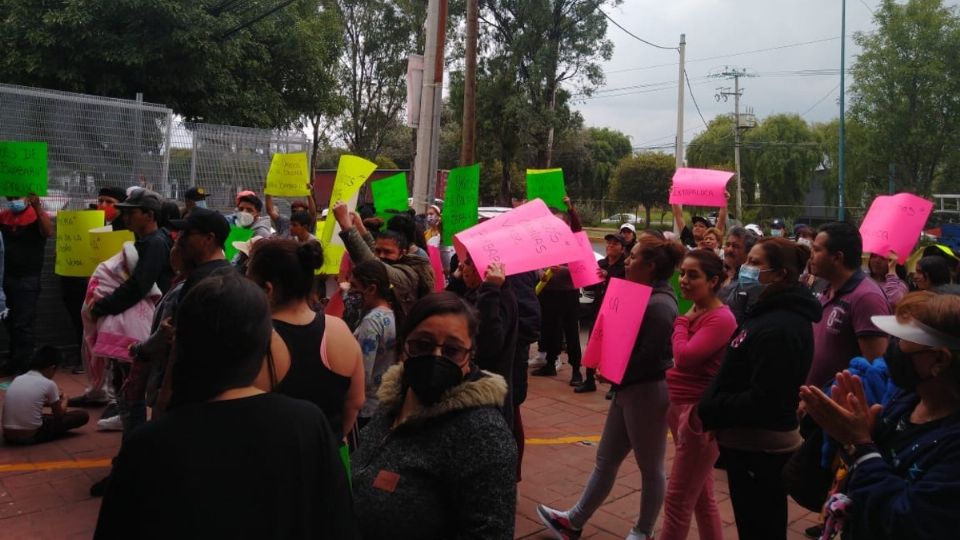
(289, 175)
(74, 253)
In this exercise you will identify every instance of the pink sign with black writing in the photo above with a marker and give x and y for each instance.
(894, 222)
(699, 187)
(615, 331)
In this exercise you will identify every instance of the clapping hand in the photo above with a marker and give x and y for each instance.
(846, 417)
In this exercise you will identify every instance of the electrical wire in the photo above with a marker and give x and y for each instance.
(697, 105)
(819, 101)
(631, 34)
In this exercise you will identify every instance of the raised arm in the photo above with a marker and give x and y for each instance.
(271, 209)
(722, 214)
(678, 222)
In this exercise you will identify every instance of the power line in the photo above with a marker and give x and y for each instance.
(819, 101)
(697, 105)
(870, 9)
(631, 34)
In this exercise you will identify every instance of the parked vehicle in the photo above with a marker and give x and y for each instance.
(619, 219)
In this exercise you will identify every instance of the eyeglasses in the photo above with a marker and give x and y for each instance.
(423, 347)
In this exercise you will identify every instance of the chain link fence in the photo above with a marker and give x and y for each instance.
(91, 141)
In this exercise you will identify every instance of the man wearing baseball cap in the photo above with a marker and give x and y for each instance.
(629, 233)
(195, 197)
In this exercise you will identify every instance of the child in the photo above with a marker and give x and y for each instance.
(24, 421)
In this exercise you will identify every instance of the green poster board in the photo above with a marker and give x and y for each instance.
(547, 184)
(460, 201)
(23, 168)
(237, 234)
(390, 194)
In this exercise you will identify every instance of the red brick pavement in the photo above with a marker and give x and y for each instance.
(55, 504)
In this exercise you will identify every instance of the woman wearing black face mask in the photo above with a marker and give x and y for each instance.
(903, 460)
(438, 460)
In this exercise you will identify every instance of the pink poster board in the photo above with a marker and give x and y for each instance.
(526, 238)
(439, 280)
(894, 222)
(615, 331)
(699, 187)
(583, 271)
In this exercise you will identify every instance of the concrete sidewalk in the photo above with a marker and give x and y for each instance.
(44, 489)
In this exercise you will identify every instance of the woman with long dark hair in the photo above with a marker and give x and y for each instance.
(325, 364)
(752, 402)
(230, 461)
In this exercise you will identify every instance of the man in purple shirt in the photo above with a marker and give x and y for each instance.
(845, 331)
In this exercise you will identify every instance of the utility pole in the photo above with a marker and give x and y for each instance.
(842, 198)
(428, 132)
(679, 149)
(469, 133)
(725, 93)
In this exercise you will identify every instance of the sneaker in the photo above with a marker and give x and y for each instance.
(636, 535)
(85, 400)
(99, 487)
(814, 532)
(548, 370)
(111, 423)
(112, 410)
(586, 386)
(576, 379)
(558, 523)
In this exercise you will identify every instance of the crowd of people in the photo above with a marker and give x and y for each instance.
(368, 404)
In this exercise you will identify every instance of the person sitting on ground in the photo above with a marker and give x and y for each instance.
(902, 459)
(411, 276)
(443, 464)
(228, 460)
(932, 271)
(24, 421)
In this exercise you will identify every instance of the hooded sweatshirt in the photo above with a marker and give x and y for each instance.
(411, 276)
(752, 402)
(652, 353)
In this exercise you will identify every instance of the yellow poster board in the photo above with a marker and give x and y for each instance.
(74, 254)
(352, 172)
(289, 175)
(105, 243)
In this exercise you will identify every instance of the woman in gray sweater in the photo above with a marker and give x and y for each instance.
(438, 460)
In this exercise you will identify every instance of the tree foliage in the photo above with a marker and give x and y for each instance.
(644, 178)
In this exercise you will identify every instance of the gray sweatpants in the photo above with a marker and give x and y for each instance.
(637, 420)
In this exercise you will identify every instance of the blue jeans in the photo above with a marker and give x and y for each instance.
(23, 293)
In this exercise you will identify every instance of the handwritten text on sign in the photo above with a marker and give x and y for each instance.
(699, 187)
(460, 201)
(288, 176)
(74, 252)
(23, 168)
(526, 238)
(583, 271)
(615, 332)
(894, 223)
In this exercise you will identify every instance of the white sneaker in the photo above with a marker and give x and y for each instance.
(110, 423)
(540, 360)
(636, 535)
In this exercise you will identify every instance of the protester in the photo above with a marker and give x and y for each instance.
(752, 403)
(326, 367)
(637, 418)
(248, 215)
(804, 234)
(711, 240)
(24, 421)
(889, 275)
(258, 465)
(405, 225)
(851, 299)
(699, 341)
(25, 227)
(629, 233)
(377, 331)
(283, 224)
(777, 228)
(559, 304)
(739, 294)
(528, 332)
(611, 266)
(444, 464)
(107, 199)
(692, 237)
(434, 230)
(901, 480)
(411, 276)
(932, 271)
(300, 227)
(496, 305)
(195, 197)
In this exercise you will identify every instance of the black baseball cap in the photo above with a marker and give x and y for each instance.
(143, 199)
(112, 191)
(700, 219)
(616, 238)
(196, 193)
(206, 221)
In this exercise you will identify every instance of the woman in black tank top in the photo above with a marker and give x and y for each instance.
(325, 368)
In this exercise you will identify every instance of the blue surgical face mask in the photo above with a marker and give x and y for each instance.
(749, 275)
(200, 204)
(776, 233)
(17, 206)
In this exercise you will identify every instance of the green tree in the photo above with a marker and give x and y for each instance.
(713, 148)
(201, 59)
(905, 87)
(783, 153)
(644, 178)
(865, 175)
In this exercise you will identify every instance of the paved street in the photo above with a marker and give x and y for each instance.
(44, 489)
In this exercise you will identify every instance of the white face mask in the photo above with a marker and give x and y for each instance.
(432, 220)
(200, 204)
(244, 219)
(776, 233)
(805, 242)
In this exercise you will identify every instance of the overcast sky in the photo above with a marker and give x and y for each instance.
(713, 28)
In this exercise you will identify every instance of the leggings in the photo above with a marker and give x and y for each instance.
(637, 421)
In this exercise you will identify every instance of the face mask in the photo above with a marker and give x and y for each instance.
(432, 220)
(749, 275)
(17, 206)
(902, 371)
(109, 212)
(776, 233)
(244, 219)
(805, 242)
(430, 376)
(200, 204)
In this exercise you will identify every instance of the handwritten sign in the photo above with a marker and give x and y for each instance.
(390, 194)
(288, 175)
(583, 271)
(894, 223)
(439, 279)
(237, 234)
(74, 254)
(547, 184)
(334, 249)
(460, 201)
(699, 187)
(526, 238)
(352, 172)
(106, 242)
(615, 332)
(23, 168)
